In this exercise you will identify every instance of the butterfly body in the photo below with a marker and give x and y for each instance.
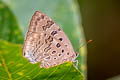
(46, 42)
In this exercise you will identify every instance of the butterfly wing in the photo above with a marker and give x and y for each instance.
(46, 42)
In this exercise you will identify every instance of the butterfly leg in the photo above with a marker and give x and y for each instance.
(76, 63)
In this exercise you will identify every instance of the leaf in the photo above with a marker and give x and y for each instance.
(9, 29)
(14, 66)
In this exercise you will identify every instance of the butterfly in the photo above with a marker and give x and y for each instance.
(46, 42)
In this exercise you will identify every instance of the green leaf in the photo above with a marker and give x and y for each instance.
(14, 66)
(9, 29)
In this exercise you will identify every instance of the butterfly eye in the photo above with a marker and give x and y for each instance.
(58, 45)
(76, 54)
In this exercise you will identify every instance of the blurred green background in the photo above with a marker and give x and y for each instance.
(101, 23)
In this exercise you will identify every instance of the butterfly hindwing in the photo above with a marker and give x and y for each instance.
(46, 42)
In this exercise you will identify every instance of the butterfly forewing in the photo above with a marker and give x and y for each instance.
(46, 42)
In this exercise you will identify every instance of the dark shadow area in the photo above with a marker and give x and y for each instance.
(101, 23)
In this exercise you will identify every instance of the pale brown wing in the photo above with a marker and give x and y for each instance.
(46, 42)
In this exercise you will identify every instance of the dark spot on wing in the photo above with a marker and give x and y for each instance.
(55, 58)
(58, 45)
(68, 53)
(59, 29)
(42, 16)
(34, 29)
(53, 52)
(53, 33)
(38, 19)
(62, 51)
(49, 23)
(65, 45)
(44, 28)
(35, 22)
(50, 39)
(60, 54)
(60, 39)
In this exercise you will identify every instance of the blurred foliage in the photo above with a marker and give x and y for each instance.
(9, 29)
(64, 13)
(14, 67)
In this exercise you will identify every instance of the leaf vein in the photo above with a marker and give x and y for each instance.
(3, 78)
(37, 74)
(27, 73)
(6, 68)
(52, 73)
(65, 74)
(19, 69)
